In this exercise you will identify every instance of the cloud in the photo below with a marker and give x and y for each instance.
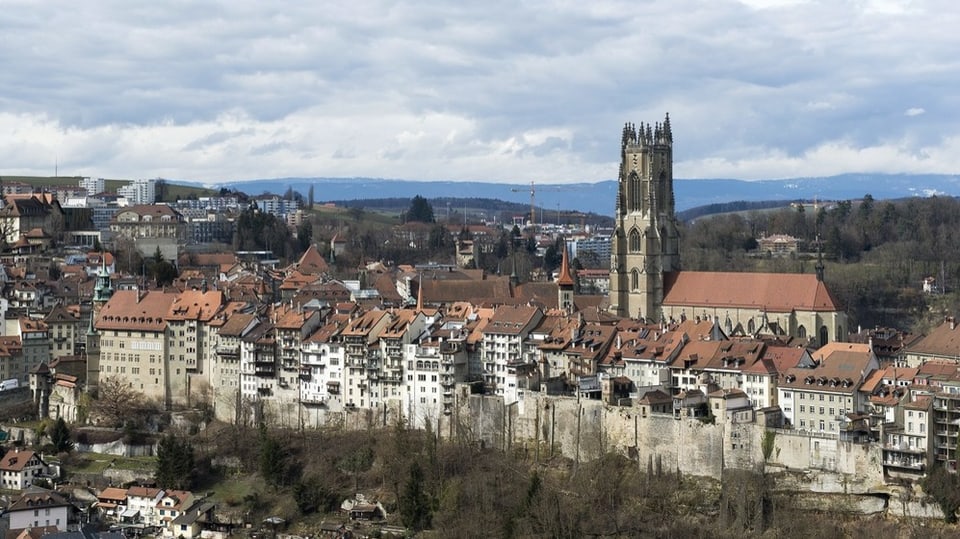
(499, 91)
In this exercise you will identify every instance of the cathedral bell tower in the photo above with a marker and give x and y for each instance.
(645, 243)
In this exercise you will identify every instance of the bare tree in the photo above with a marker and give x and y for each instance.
(117, 402)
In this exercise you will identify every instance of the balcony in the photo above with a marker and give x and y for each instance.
(228, 350)
(903, 448)
(306, 373)
(264, 370)
(906, 464)
(314, 400)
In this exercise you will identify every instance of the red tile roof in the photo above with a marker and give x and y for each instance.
(773, 292)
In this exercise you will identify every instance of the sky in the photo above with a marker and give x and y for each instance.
(512, 92)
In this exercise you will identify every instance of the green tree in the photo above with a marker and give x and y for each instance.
(420, 211)
(414, 504)
(310, 197)
(305, 234)
(273, 464)
(175, 462)
(60, 436)
(311, 495)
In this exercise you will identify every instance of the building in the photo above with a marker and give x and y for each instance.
(20, 467)
(142, 191)
(819, 398)
(645, 245)
(23, 213)
(41, 508)
(93, 186)
(779, 245)
(646, 280)
(148, 221)
(132, 331)
(503, 338)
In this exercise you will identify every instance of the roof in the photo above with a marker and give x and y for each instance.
(512, 319)
(113, 493)
(195, 305)
(312, 262)
(16, 461)
(943, 341)
(774, 292)
(235, 325)
(136, 311)
(38, 497)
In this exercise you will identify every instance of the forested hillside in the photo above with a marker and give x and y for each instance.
(877, 253)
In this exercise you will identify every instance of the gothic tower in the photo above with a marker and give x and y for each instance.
(645, 243)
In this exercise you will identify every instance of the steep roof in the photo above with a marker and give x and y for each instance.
(312, 262)
(774, 292)
(16, 461)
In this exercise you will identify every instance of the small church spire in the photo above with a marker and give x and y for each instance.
(565, 281)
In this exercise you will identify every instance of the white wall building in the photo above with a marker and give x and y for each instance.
(142, 191)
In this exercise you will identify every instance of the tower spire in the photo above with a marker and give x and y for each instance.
(565, 281)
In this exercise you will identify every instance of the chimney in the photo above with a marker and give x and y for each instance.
(953, 323)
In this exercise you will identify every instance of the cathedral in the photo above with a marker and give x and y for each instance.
(645, 276)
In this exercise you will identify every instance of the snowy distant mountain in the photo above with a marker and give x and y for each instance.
(600, 197)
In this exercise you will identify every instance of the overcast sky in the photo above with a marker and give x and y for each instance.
(508, 91)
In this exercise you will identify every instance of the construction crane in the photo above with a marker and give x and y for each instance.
(533, 207)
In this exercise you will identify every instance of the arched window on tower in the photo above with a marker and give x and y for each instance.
(634, 241)
(802, 332)
(634, 191)
(634, 279)
(824, 335)
(751, 327)
(662, 190)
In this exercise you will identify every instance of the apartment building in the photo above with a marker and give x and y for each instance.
(189, 338)
(63, 329)
(819, 398)
(503, 339)
(363, 358)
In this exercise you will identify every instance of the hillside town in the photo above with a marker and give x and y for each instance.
(256, 340)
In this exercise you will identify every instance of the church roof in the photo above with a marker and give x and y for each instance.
(774, 292)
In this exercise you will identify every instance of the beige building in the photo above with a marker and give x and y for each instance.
(133, 342)
(148, 221)
(63, 328)
(819, 398)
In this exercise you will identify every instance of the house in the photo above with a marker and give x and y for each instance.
(172, 504)
(779, 245)
(20, 467)
(111, 502)
(142, 505)
(190, 522)
(41, 507)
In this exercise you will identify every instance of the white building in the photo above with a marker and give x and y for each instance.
(143, 191)
(19, 468)
(94, 186)
(39, 508)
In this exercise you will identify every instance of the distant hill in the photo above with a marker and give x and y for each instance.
(600, 197)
